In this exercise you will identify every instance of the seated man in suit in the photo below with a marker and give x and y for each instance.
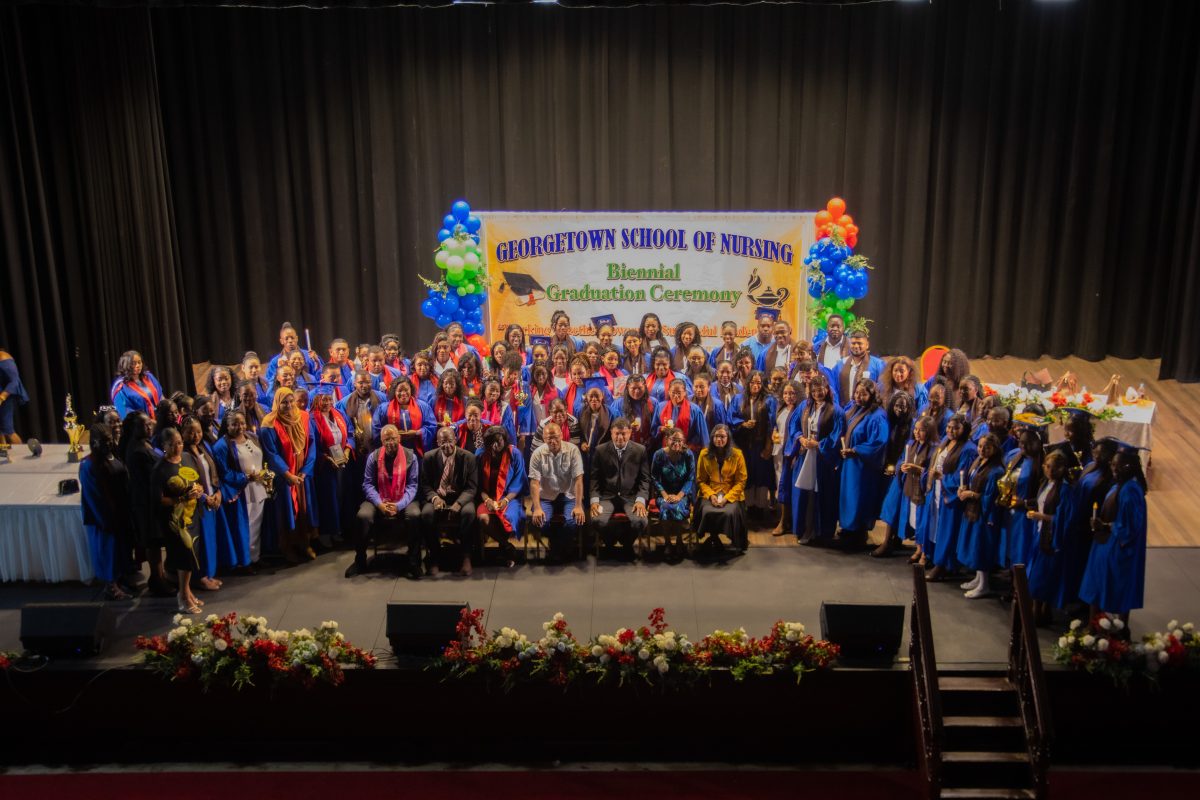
(620, 483)
(449, 480)
(389, 486)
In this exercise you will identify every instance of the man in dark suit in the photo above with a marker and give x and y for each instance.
(619, 483)
(449, 479)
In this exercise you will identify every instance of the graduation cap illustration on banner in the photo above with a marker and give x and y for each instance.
(525, 288)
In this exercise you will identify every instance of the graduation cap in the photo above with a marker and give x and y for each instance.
(534, 341)
(1123, 446)
(523, 285)
(595, 382)
(763, 311)
(604, 319)
(315, 389)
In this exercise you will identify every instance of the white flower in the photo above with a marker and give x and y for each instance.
(669, 645)
(1075, 623)
(546, 626)
(597, 650)
(178, 618)
(643, 654)
(1189, 627)
(604, 659)
(1173, 624)
(663, 667)
(1089, 640)
(219, 645)
(1105, 623)
(211, 618)
(503, 641)
(1117, 623)
(558, 616)
(197, 658)
(185, 622)
(1102, 645)
(329, 625)
(561, 647)
(1163, 656)
(792, 636)
(1062, 642)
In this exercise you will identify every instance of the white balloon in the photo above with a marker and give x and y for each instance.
(454, 264)
(441, 258)
(471, 260)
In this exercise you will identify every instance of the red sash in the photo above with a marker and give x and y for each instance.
(652, 378)
(386, 378)
(414, 414)
(610, 378)
(681, 415)
(150, 397)
(416, 382)
(547, 396)
(500, 476)
(465, 435)
(455, 408)
(572, 390)
(326, 432)
(291, 457)
(391, 488)
(472, 388)
(493, 415)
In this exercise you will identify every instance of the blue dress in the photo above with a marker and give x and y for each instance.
(897, 505)
(1115, 578)
(285, 505)
(1021, 532)
(862, 484)
(10, 381)
(979, 534)
(823, 500)
(950, 511)
(1045, 570)
(673, 477)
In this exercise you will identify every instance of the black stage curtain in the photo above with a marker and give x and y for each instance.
(183, 179)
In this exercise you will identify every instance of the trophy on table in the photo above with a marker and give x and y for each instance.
(74, 433)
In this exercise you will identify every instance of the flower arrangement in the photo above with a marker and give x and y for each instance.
(242, 651)
(1056, 403)
(1102, 647)
(650, 654)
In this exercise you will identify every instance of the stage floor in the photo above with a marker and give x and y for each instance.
(752, 591)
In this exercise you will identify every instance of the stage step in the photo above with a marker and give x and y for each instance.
(987, 793)
(982, 722)
(984, 757)
(984, 733)
(974, 683)
(998, 770)
(977, 696)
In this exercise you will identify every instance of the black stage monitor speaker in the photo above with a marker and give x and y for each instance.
(422, 629)
(867, 634)
(65, 630)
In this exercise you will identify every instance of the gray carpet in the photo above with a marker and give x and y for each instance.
(752, 591)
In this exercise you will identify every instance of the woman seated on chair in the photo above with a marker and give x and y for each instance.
(721, 475)
(502, 488)
(673, 484)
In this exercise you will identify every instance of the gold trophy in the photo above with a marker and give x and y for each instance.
(268, 480)
(74, 433)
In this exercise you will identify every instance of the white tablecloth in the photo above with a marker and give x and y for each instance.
(41, 534)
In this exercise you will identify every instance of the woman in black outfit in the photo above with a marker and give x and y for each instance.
(140, 459)
(173, 488)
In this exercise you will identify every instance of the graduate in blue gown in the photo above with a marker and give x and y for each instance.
(676, 411)
(289, 342)
(240, 462)
(818, 463)
(936, 407)
(900, 375)
(858, 364)
(382, 376)
(335, 444)
(12, 394)
(1045, 568)
(637, 407)
(953, 368)
(219, 386)
(999, 424)
(1072, 523)
(728, 349)
(950, 465)
(425, 383)
(416, 420)
(1115, 577)
(135, 388)
(1025, 466)
(212, 531)
(495, 410)
(287, 440)
(714, 411)
(659, 378)
(726, 392)
(864, 445)
(893, 511)
(104, 497)
(979, 536)
(687, 336)
(578, 371)
(502, 489)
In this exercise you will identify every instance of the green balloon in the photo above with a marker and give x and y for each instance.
(462, 292)
(472, 288)
(454, 279)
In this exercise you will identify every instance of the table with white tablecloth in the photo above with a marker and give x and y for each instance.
(41, 532)
(1133, 426)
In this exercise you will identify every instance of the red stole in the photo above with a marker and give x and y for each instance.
(149, 394)
(292, 458)
(391, 487)
(610, 378)
(498, 474)
(681, 415)
(454, 408)
(416, 382)
(492, 415)
(472, 388)
(395, 415)
(387, 378)
(326, 432)
(572, 391)
(547, 395)
(653, 378)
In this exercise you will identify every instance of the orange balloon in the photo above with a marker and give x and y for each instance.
(852, 239)
(845, 220)
(840, 231)
(824, 231)
(836, 207)
(480, 344)
(823, 218)
(851, 230)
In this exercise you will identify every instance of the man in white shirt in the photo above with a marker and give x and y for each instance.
(833, 349)
(779, 354)
(556, 488)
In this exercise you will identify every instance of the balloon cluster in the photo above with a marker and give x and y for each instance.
(462, 291)
(836, 276)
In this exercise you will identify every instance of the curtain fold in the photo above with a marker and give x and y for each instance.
(182, 180)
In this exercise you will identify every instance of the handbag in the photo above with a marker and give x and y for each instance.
(1037, 381)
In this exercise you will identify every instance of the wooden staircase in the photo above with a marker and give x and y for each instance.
(982, 734)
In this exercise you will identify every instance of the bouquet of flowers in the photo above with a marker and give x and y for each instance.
(787, 648)
(511, 654)
(1176, 649)
(726, 648)
(1018, 398)
(240, 652)
(652, 653)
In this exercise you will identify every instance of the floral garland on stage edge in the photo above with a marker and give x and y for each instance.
(240, 652)
(1100, 647)
(652, 654)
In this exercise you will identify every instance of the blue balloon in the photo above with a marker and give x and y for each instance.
(444, 234)
(472, 328)
(448, 222)
(461, 210)
(475, 238)
(450, 304)
(474, 315)
(434, 293)
(814, 290)
(469, 301)
(430, 308)
(442, 321)
(473, 224)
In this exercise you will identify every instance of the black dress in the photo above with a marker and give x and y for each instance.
(180, 556)
(140, 462)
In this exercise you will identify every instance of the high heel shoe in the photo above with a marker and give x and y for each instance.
(186, 608)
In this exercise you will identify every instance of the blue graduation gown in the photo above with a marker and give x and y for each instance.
(639, 436)
(1045, 570)
(950, 512)
(1022, 532)
(126, 399)
(273, 453)
(979, 540)
(874, 370)
(515, 484)
(311, 365)
(99, 523)
(895, 509)
(697, 436)
(1073, 533)
(328, 481)
(236, 552)
(829, 467)
(429, 426)
(861, 492)
(377, 382)
(216, 536)
(1115, 577)
(659, 390)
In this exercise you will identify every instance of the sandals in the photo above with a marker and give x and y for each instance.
(188, 609)
(210, 584)
(114, 592)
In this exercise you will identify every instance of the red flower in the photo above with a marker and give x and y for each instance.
(1058, 400)
(626, 637)
(1087, 398)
